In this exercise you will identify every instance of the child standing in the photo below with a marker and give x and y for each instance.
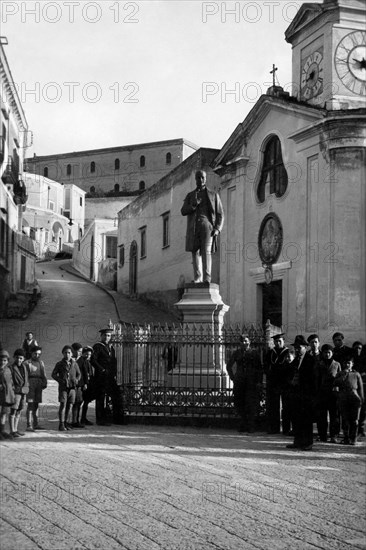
(327, 397)
(19, 373)
(37, 383)
(351, 398)
(77, 355)
(67, 375)
(7, 395)
(89, 387)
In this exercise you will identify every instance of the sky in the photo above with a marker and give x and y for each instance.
(110, 73)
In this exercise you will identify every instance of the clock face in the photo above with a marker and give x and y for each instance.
(312, 76)
(350, 61)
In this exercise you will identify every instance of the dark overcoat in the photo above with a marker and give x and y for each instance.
(216, 215)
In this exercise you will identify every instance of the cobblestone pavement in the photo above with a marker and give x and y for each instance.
(140, 487)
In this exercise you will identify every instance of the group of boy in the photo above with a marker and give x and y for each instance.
(14, 390)
(305, 383)
(84, 374)
(315, 384)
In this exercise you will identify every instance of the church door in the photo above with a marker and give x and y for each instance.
(272, 303)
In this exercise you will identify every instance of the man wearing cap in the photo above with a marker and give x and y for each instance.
(247, 379)
(204, 223)
(340, 351)
(302, 396)
(276, 370)
(105, 378)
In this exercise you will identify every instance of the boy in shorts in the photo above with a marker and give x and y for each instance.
(19, 373)
(67, 375)
(351, 398)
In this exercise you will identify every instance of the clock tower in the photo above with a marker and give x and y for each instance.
(329, 54)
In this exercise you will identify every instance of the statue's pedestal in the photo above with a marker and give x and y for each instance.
(202, 355)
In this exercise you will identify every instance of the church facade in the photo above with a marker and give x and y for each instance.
(293, 186)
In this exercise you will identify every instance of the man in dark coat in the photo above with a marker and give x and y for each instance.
(276, 367)
(247, 380)
(341, 352)
(302, 396)
(104, 361)
(205, 221)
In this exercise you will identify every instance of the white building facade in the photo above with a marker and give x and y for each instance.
(293, 187)
(17, 255)
(54, 218)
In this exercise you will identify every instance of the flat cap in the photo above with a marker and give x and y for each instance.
(276, 336)
(106, 330)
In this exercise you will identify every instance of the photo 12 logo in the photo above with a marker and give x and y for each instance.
(71, 12)
(90, 92)
(249, 12)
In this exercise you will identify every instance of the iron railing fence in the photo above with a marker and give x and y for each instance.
(180, 370)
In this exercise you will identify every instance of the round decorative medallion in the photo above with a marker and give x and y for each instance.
(270, 239)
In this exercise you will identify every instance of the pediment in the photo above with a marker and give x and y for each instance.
(234, 150)
(306, 14)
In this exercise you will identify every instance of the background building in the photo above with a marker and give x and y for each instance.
(17, 255)
(126, 170)
(54, 218)
(152, 261)
(95, 254)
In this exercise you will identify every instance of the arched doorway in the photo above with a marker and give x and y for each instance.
(57, 235)
(133, 269)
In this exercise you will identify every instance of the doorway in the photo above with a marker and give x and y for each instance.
(133, 269)
(272, 303)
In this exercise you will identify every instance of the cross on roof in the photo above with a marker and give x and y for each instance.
(274, 69)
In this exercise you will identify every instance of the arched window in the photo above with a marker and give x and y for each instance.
(142, 161)
(168, 158)
(116, 164)
(68, 170)
(45, 172)
(92, 167)
(273, 178)
(142, 186)
(116, 187)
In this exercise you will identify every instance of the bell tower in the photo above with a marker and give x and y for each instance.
(329, 54)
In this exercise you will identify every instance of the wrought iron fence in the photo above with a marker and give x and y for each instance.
(180, 370)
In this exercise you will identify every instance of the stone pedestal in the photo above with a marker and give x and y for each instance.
(202, 356)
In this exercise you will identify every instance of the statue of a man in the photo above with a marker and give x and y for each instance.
(205, 221)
